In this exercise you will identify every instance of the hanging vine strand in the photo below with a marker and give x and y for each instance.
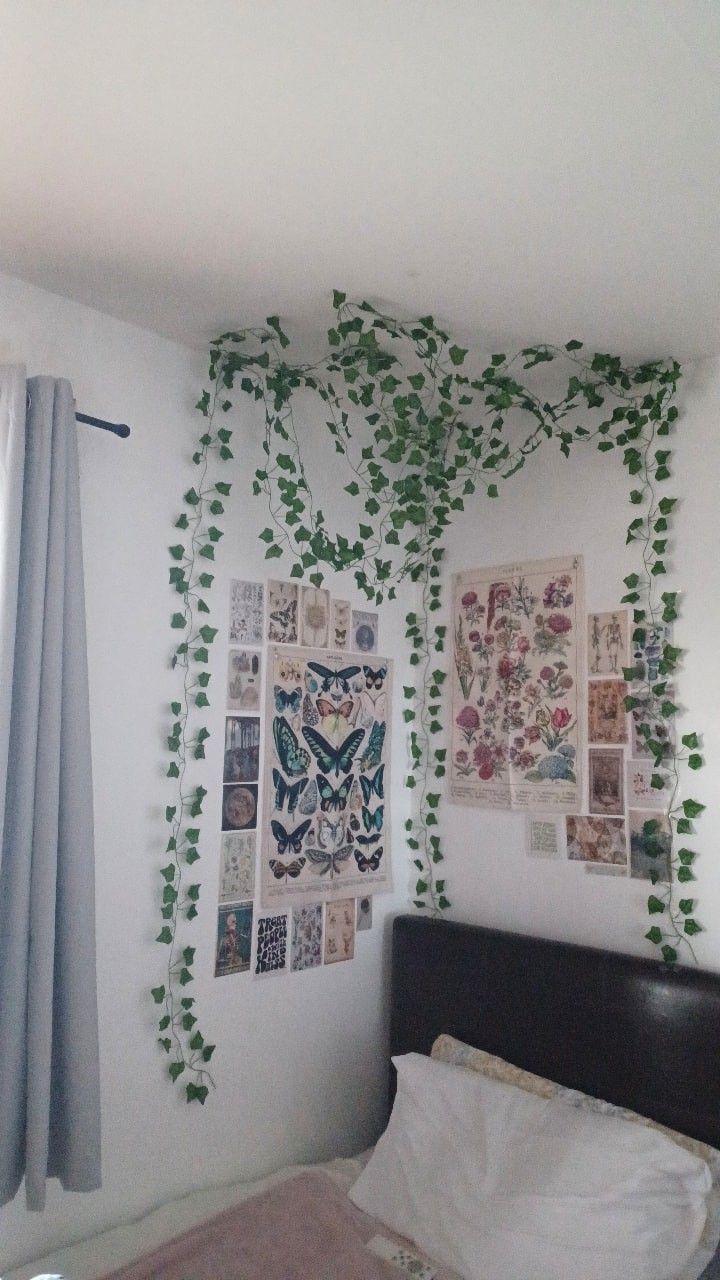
(419, 437)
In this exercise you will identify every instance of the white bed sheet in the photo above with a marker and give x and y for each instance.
(100, 1254)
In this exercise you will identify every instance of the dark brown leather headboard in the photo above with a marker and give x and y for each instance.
(630, 1031)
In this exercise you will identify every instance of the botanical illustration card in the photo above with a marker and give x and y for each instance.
(650, 845)
(282, 612)
(271, 944)
(607, 717)
(234, 939)
(246, 612)
(239, 807)
(656, 729)
(364, 631)
(647, 652)
(606, 788)
(608, 643)
(640, 790)
(340, 620)
(242, 749)
(307, 937)
(237, 866)
(597, 840)
(339, 930)
(518, 651)
(243, 688)
(314, 617)
(325, 830)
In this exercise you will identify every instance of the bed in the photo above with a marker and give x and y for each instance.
(622, 1029)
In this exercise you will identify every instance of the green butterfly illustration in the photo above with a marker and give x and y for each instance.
(375, 784)
(328, 757)
(334, 799)
(372, 754)
(284, 792)
(293, 758)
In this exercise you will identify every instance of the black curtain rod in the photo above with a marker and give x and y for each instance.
(118, 428)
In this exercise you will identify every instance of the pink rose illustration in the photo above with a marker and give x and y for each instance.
(523, 644)
(547, 673)
(470, 598)
(559, 624)
(560, 718)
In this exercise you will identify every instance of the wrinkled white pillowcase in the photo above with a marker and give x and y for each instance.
(502, 1185)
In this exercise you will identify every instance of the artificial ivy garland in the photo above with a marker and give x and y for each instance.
(418, 437)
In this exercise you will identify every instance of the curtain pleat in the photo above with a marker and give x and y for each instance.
(49, 1070)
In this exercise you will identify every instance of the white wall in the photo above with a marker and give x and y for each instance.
(301, 1064)
(554, 507)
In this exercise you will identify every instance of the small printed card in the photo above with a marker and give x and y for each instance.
(402, 1258)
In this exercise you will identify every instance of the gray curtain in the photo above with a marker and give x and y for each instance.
(49, 1069)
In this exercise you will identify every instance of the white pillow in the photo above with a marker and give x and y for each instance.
(502, 1185)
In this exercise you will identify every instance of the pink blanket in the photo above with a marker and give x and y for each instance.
(302, 1229)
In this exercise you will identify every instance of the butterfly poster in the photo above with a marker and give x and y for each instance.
(325, 831)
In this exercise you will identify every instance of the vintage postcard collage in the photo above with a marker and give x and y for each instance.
(534, 679)
(322, 722)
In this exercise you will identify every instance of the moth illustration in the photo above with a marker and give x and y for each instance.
(288, 670)
(333, 799)
(374, 784)
(328, 862)
(330, 834)
(330, 679)
(369, 863)
(329, 757)
(284, 792)
(309, 713)
(293, 758)
(289, 839)
(282, 870)
(372, 754)
(285, 701)
(309, 799)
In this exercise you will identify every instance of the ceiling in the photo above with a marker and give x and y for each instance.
(525, 169)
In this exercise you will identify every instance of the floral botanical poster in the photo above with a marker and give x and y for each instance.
(518, 647)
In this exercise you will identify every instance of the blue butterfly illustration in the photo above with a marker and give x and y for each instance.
(293, 758)
(329, 757)
(330, 678)
(329, 862)
(374, 784)
(369, 863)
(285, 701)
(291, 840)
(284, 792)
(372, 754)
(332, 799)
(373, 821)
